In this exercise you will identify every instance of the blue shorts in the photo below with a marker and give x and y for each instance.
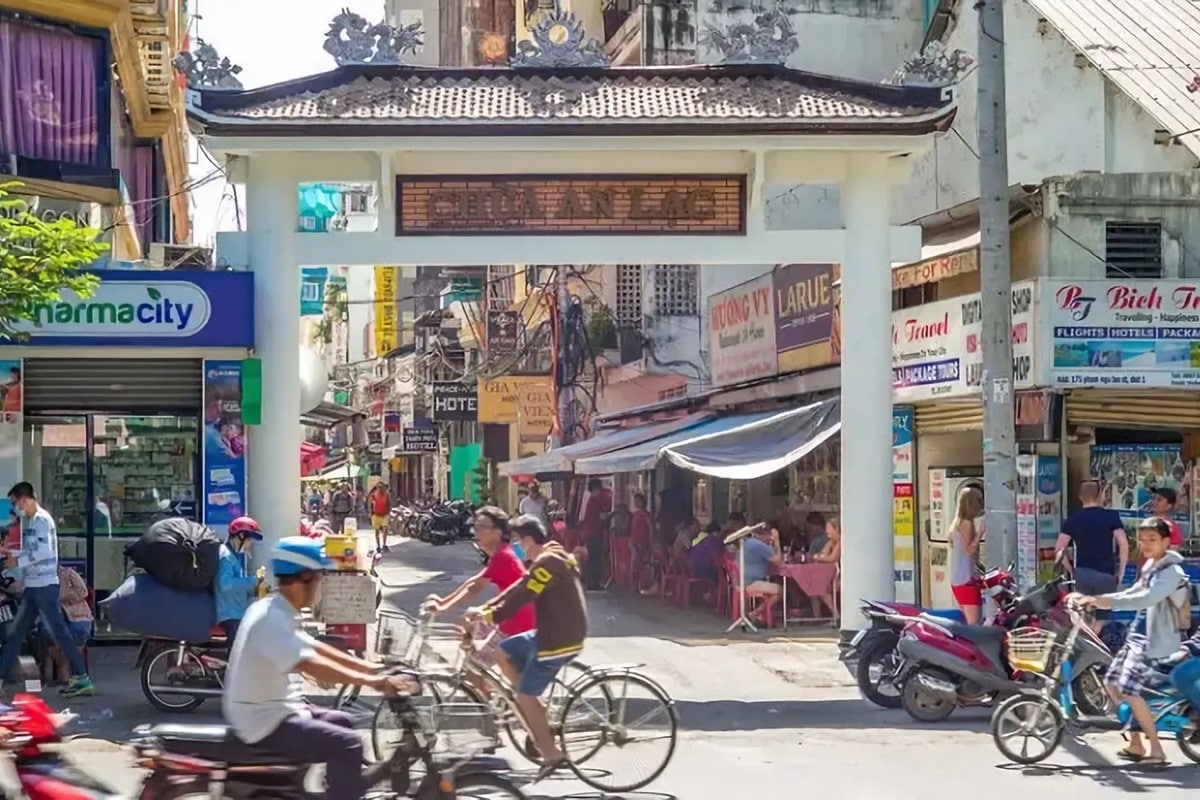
(80, 632)
(536, 676)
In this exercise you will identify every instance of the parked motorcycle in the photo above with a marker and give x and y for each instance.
(871, 655)
(948, 665)
(446, 523)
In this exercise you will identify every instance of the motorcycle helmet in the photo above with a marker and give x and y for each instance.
(246, 526)
(295, 554)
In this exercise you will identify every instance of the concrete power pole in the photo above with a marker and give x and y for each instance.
(999, 436)
(564, 379)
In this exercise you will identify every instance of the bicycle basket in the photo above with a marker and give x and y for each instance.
(461, 730)
(1029, 648)
(395, 632)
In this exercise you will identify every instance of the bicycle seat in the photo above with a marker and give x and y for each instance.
(975, 633)
(215, 743)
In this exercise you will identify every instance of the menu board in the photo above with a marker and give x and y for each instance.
(347, 598)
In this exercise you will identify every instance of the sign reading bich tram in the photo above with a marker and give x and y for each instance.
(937, 352)
(1124, 333)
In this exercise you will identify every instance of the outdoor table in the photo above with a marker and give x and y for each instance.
(814, 579)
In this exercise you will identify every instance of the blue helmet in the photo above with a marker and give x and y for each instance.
(295, 554)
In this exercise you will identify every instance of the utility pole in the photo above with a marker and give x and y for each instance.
(995, 277)
(564, 378)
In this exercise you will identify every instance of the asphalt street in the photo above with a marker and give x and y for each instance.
(760, 716)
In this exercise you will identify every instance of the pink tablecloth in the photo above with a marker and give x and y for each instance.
(815, 579)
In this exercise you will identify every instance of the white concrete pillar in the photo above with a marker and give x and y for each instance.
(866, 309)
(274, 446)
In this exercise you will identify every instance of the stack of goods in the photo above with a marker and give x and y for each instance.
(173, 599)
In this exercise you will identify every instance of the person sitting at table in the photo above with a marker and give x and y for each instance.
(708, 548)
(761, 553)
(831, 550)
(815, 532)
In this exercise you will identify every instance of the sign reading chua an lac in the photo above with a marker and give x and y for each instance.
(571, 204)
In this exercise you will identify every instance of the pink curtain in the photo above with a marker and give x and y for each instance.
(49, 94)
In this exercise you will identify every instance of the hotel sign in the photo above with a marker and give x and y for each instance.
(675, 205)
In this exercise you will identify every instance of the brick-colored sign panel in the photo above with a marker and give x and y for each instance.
(556, 205)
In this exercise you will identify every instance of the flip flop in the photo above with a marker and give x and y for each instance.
(549, 768)
(1154, 761)
(1128, 755)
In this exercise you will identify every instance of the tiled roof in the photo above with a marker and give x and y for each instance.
(402, 96)
(1149, 49)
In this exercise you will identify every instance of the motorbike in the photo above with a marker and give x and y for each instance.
(871, 655)
(1039, 718)
(948, 665)
(446, 523)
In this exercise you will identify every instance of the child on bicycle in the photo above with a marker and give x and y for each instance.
(1156, 597)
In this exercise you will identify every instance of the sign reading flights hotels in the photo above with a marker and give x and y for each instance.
(1124, 333)
(580, 205)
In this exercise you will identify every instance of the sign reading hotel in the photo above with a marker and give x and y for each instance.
(807, 319)
(578, 205)
(500, 399)
(1124, 333)
(937, 350)
(741, 332)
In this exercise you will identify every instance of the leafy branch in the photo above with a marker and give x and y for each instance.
(336, 310)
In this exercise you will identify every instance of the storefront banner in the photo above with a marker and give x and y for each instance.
(904, 523)
(499, 398)
(741, 332)
(159, 308)
(1049, 512)
(937, 350)
(1027, 521)
(536, 411)
(807, 319)
(455, 402)
(504, 329)
(224, 444)
(312, 291)
(386, 322)
(11, 458)
(419, 440)
(1123, 333)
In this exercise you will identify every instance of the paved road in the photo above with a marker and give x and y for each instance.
(761, 717)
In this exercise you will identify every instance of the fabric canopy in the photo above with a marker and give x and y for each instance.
(342, 472)
(758, 447)
(645, 455)
(562, 459)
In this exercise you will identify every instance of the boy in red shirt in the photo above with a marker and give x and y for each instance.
(1162, 503)
(503, 569)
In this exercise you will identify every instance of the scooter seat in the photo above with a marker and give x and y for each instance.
(952, 614)
(215, 743)
(975, 633)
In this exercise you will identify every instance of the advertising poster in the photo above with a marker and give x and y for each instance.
(500, 401)
(1027, 521)
(807, 319)
(1049, 511)
(11, 463)
(904, 523)
(387, 322)
(224, 444)
(1124, 333)
(741, 332)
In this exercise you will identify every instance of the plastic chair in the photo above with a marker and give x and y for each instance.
(621, 566)
(686, 583)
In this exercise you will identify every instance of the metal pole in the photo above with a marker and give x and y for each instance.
(999, 462)
(564, 377)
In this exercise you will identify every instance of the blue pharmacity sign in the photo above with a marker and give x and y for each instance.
(151, 308)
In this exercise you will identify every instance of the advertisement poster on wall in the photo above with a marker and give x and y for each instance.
(12, 406)
(904, 504)
(741, 332)
(1027, 521)
(807, 317)
(1123, 333)
(224, 444)
(1049, 512)
(937, 350)
(386, 322)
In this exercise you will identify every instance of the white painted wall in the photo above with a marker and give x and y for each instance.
(1062, 119)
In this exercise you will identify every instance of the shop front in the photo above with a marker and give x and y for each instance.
(937, 371)
(1126, 355)
(129, 406)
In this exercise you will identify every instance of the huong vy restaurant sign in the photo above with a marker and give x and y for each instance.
(571, 204)
(937, 352)
(741, 332)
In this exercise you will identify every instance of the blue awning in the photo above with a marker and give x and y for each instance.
(562, 459)
(644, 456)
(759, 447)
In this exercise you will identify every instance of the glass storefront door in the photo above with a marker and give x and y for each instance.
(128, 470)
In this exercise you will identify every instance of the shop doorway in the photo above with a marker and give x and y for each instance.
(105, 478)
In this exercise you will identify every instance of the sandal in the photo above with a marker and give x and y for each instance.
(1129, 755)
(1153, 761)
(549, 768)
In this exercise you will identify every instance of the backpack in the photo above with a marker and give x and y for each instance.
(178, 553)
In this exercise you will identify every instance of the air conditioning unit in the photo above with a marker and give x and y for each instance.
(181, 256)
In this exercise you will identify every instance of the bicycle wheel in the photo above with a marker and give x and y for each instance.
(386, 729)
(1031, 719)
(481, 785)
(635, 704)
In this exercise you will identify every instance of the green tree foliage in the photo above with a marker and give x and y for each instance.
(39, 260)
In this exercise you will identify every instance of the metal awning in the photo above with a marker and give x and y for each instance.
(327, 415)
(562, 459)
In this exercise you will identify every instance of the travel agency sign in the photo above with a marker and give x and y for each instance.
(1123, 333)
(741, 332)
(156, 308)
(937, 352)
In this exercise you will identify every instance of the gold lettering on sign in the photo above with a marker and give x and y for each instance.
(806, 295)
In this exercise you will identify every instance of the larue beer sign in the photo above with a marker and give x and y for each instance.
(571, 204)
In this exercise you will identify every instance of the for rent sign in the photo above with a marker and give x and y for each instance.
(937, 352)
(741, 332)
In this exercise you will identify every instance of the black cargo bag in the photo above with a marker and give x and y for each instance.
(178, 553)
